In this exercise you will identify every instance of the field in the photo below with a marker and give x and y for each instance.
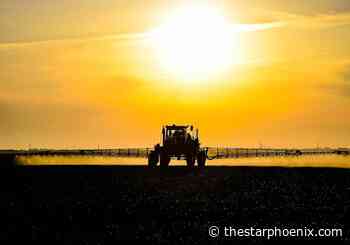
(100, 204)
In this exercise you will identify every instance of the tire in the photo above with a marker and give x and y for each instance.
(190, 160)
(201, 159)
(153, 159)
(164, 159)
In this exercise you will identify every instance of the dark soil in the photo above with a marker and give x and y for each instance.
(102, 204)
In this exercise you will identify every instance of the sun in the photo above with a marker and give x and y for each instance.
(195, 42)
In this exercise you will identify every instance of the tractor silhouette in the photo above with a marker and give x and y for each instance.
(178, 142)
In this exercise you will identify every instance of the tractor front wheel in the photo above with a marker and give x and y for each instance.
(164, 159)
(153, 159)
(201, 158)
(190, 160)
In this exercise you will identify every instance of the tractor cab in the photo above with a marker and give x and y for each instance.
(178, 135)
(180, 142)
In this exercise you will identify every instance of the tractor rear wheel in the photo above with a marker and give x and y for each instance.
(201, 158)
(164, 159)
(153, 159)
(190, 160)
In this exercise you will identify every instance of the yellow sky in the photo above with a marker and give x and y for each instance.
(85, 74)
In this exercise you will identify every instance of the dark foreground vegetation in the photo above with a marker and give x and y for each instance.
(100, 204)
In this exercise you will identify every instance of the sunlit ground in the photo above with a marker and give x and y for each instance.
(303, 161)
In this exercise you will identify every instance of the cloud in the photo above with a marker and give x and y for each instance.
(345, 86)
(118, 37)
(281, 19)
(131, 36)
(317, 21)
(257, 27)
(346, 74)
(338, 89)
(340, 85)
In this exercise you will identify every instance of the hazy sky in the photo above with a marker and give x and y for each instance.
(81, 74)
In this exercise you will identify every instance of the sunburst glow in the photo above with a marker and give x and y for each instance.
(196, 42)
